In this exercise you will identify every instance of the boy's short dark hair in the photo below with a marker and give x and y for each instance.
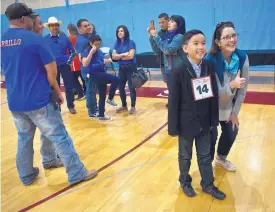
(94, 37)
(188, 35)
(163, 15)
(80, 21)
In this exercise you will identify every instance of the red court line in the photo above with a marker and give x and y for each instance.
(252, 97)
(99, 170)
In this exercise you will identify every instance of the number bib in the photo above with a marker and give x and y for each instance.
(202, 88)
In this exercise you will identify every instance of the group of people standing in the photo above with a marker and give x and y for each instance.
(81, 50)
(205, 90)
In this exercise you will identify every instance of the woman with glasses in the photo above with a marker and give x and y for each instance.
(231, 66)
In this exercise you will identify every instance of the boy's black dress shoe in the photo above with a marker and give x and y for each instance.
(215, 192)
(188, 190)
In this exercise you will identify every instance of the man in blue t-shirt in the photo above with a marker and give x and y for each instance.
(30, 72)
(81, 43)
(60, 46)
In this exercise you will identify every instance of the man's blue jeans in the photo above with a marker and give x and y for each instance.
(49, 121)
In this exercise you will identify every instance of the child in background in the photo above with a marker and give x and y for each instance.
(93, 61)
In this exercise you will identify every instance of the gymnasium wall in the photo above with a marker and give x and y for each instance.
(254, 19)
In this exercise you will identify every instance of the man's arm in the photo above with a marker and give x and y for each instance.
(51, 70)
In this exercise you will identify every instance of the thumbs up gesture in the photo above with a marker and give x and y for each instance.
(238, 82)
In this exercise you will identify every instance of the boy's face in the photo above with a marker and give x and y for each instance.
(195, 48)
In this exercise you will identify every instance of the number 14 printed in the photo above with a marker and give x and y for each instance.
(202, 88)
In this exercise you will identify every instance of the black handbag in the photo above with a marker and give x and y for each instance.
(139, 77)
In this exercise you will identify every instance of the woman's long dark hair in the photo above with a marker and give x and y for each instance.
(218, 34)
(126, 32)
(94, 30)
(179, 30)
(180, 23)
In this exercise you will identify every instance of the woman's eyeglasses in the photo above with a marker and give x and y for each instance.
(228, 37)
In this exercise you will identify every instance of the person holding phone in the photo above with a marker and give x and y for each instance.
(170, 45)
(163, 20)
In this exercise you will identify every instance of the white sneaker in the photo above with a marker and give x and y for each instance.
(225, 164)
(105, 118)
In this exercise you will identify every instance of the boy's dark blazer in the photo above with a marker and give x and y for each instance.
(187, 117)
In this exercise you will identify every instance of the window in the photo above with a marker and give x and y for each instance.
(38, 4)
(82, 1)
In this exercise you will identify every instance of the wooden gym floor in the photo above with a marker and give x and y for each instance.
(146, 178)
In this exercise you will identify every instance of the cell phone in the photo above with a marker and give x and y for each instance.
(152, 24)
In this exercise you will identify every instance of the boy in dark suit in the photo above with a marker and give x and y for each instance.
(193, 111)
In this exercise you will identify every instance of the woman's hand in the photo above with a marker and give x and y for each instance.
(235, 121)
(238, 82)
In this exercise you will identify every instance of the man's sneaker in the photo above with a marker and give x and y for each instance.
(93, 115)
(56, 164)
(72, 110)
(33, 176)
(132, 110)
(111, 102)
(122, 109)
(215, 192)
(79, 98)
(105, 118)
(188, 190)
(225, 163)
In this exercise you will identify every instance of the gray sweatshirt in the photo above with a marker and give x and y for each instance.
(226, 94)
